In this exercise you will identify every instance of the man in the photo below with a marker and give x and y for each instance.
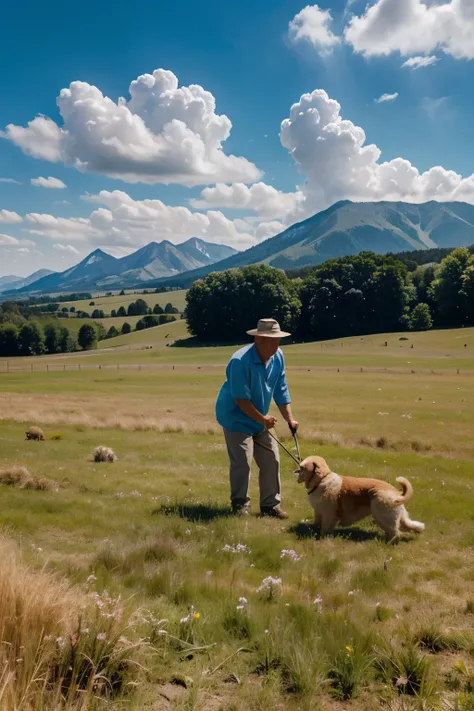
(255, 375)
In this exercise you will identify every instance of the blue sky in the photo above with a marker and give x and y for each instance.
(256, 66)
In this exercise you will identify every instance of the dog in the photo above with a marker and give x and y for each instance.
(346, 500)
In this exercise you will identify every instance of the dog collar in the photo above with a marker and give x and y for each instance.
(313, 489)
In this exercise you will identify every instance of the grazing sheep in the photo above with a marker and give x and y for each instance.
(104, 454)
(35, 433)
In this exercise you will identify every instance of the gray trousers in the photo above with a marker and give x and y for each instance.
(242, 448)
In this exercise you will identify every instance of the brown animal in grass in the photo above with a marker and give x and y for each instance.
(35, 433)
(345, 500)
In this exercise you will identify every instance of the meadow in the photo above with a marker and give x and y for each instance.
(161, 600)
(115, 301)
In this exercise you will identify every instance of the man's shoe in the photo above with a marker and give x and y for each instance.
(274, 512)
(241, 509)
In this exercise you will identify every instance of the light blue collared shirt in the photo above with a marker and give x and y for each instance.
(249, 378)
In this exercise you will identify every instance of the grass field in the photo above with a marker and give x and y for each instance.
(345, 622)
(107, 303)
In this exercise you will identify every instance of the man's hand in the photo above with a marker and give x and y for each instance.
(269, 422)
(293, 425)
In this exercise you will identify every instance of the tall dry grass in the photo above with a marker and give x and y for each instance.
(61, 648)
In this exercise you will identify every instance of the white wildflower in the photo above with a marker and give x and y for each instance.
(291, 554)
(239, 548)
(91, 579)
(242, 602)
(101, 636)
(60, 642)
(270, 587)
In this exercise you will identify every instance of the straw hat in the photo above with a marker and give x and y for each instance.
(269, 328)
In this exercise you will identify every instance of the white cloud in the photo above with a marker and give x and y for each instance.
(9, 217)
(8, 241)
(66, 249)
(312, 25)
(9, 180)
(162, 134)
(420, 62)
(122, 222)
(386, 97)
(332, 154)
(50, 182)
(414, 27)
(259, 197)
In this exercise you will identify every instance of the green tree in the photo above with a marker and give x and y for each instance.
(64, 309)
(157, 309)
(126, 328)
(467, 290)
(121, 312)
(72, 309)
(420, 319)
(67, 343)
(113, 313)
(98, 313)
(224, 305)
(122, 293)
(170, 309)
(30, 339)
(132, 309)
(112, 332)
(141, 307)
(52, 337)
(447, 289)
(166, 318)
(87, 337)
(9, 345)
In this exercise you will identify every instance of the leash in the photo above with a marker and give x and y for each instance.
(297, 461)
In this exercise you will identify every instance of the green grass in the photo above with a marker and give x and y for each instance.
(151, 527)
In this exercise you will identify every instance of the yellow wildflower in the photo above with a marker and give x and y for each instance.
(197, 615)
(349, 650)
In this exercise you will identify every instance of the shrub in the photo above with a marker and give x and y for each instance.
(126, 328)
(420, 319)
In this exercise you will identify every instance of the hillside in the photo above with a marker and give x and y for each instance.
(15, 282)
(349, 228)
(100, 270)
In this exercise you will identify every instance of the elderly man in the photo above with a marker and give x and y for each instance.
(255, 375)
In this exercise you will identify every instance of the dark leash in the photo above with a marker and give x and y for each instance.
(295, 437)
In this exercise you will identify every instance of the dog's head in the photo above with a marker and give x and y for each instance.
(312, 471)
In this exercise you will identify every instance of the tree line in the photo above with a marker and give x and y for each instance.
(353, 295)
(135, 308)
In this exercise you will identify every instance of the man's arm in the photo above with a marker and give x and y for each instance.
(251, 411)
(288, 416)
(282, 398)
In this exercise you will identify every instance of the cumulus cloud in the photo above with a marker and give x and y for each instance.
(9, 217)
(9, 180)
(264, 199)
(386, 97)
(313, 25)
(420, 62)
(122, 222)
(331, 153)
(50, 182)
(8, 241)
(413, 27)
(66, 249)
(163, 134)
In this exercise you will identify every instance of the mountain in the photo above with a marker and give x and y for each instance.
(16, 282)
(100, 270)
(349, 228)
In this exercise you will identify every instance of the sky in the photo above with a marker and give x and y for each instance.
(132, 122)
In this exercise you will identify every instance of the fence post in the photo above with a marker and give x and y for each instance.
(79, 366)
(47, 368)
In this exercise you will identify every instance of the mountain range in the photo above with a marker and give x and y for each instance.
(343, 229)
(100, 270)
(16, 282)
(349, 228)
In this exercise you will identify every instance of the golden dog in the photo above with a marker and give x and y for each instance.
(346, 500)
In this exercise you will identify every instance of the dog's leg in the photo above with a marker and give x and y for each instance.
(406, 524)
(387, 518)
(328, 524)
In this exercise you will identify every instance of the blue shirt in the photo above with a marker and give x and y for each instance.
(249, 378)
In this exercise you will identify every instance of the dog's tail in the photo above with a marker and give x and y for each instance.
(407, 491)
